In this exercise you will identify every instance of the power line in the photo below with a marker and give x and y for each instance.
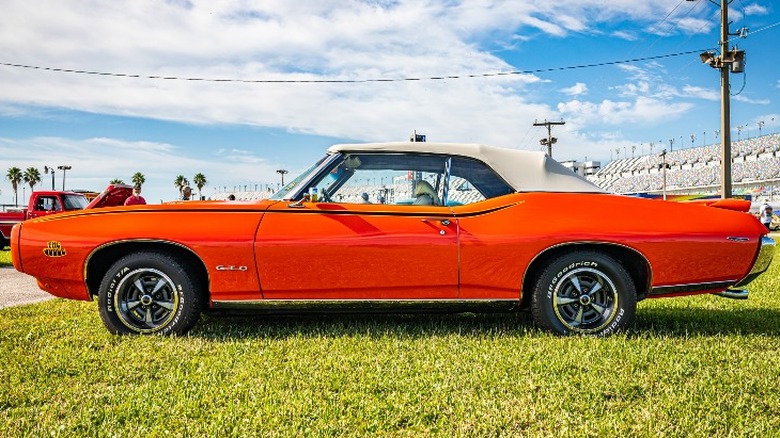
(344, 81)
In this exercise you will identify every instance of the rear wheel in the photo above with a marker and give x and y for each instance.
(2, 242)
(149, 292)
(584, 292)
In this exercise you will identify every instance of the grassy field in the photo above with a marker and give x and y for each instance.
(698, 366)
(5, 257)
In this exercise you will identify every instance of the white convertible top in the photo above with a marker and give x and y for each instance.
(526, 171)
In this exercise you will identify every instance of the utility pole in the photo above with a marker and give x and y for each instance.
(729, 61)
(550, 140)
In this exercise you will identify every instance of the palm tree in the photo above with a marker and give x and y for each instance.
(15, 176)
(32, 177)
(200, 180)
(116, 181)
(181, 182)
(139, 179)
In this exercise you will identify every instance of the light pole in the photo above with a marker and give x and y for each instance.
(47, 170)
(664, 166)
(282, 172)
(729, 61)
(64, 169)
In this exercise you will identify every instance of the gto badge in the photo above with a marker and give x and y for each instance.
(231, 268)
(54, 249)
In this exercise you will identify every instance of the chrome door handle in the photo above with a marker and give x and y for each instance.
(445, 222)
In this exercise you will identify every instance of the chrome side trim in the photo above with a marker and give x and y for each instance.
(765, 255)
(691, 287)
(365, 306)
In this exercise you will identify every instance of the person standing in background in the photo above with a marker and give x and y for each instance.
(135, 198)
(765, 215)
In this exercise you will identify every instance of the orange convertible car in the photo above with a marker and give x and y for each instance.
(399, 227)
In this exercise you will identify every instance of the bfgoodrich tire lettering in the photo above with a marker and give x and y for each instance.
(149, 292)
(584, 292)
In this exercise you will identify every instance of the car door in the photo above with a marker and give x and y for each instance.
(349, 251)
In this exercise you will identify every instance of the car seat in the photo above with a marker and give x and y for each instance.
(425, 194)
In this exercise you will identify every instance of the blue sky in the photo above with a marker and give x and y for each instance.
(238, 133)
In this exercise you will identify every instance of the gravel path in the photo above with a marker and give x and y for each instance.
(17, 288)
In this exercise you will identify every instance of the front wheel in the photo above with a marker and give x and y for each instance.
(584, 292)
(149, 292)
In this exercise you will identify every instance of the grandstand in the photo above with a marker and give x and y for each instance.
(247, 194)
(755, 170)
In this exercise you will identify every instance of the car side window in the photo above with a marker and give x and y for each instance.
(407, 179)
(377, 178)
(47, 203)
(473, 181)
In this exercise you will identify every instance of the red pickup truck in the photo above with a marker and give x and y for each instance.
(45, 202)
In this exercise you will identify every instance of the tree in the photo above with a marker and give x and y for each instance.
(15, 177)
(139, 179)
(200, 180)
(181, 182)
(32, 177)
(116, 181)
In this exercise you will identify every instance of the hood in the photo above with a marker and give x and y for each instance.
(113, 195)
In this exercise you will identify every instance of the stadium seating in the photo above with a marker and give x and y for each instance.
(755, 161)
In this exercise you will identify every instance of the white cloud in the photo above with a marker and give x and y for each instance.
(642, 110)
(691, 25)
(746, 99)
(701, 93)
(625, 35)
(575, 90)
(322, 40)
(755, 9)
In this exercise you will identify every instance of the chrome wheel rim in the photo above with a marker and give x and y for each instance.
(585, 300)
(146, 300)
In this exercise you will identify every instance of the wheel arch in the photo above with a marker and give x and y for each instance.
(103, 257)
(632, 260)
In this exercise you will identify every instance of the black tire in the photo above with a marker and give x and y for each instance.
(149, 292)
(2, 243)
(584, 292)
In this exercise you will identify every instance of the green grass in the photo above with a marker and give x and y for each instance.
(5, 257)
(694, 366)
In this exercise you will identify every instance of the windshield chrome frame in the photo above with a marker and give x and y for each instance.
(297, 192)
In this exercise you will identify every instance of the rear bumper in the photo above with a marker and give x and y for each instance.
(764, 259)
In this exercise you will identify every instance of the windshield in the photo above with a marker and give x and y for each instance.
(74, 202)
(285, 191)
